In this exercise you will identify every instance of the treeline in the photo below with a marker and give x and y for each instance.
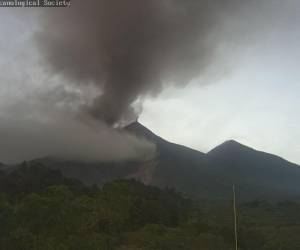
(42, 210)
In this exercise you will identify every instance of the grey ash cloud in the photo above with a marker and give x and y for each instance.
(130, 49)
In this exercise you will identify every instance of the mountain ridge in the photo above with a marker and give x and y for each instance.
(234, 143)
(258, 175)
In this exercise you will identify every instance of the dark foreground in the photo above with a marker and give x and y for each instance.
(42, 210)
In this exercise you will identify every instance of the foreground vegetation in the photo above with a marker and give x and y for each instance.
(42, 210)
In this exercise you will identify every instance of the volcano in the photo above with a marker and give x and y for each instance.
(256, 174)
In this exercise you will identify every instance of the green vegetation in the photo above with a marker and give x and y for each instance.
(42, 210)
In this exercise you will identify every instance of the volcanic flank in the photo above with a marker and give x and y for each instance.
(204, 176)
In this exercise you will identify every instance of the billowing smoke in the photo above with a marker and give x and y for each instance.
(130, 49)
(34, 129)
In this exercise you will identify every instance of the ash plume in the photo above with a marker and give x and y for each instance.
(62, 136)
(130, 49)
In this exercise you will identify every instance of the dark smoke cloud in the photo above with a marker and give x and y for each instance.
(130, 48)
(28, 133)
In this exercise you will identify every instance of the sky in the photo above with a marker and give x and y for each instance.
(257, 103)
(253, 98)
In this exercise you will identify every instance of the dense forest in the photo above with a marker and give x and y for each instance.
(42, 210)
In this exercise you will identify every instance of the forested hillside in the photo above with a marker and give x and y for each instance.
(42, 210)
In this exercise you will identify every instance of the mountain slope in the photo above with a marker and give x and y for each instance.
(166, 150)
(259, 173)
(177, 166)
(256, 174)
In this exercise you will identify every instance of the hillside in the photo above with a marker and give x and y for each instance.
(256, 174)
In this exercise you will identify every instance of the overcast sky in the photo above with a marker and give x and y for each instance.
(256, 101)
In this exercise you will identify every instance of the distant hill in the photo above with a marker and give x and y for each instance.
(257, 175)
